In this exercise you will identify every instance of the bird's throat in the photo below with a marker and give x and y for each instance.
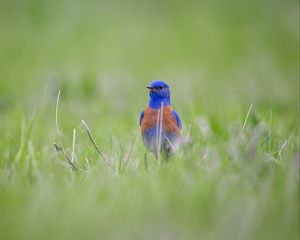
(156, 103)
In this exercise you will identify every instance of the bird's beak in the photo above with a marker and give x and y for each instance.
(149, 87)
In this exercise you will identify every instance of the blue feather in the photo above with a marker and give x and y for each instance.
(177, 118)
(142, 116)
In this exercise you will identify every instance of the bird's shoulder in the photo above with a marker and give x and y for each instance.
(142, 116)
(177, 118)
(148, 118)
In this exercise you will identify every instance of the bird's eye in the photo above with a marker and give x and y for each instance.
(161, 87)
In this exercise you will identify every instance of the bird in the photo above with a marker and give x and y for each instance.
(160, 124)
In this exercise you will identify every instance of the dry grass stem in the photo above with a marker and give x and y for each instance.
(95, 145)
(61, 150)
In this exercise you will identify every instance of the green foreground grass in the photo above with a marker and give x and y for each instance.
(236, 177)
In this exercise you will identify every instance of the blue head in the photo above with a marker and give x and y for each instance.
(159, 92)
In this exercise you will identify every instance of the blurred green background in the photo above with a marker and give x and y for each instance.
(212, 53)
(218, 57)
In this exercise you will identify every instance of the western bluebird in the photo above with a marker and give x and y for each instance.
(160, 124)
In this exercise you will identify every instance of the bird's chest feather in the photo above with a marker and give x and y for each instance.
(152, 120)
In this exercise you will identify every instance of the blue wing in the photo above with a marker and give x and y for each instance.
(177, 118)
(141, 117)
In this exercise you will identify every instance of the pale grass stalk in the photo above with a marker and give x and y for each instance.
(157, 136)
(281, 149)
(73, 147)
(247, 116)
(171, 144)
(161, 123)
(237, 143)
(87, 162)
(60, 149)
(56, 113)
(270, 132)
(159, 129)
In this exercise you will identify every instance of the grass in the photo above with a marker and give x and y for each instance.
(233, 68)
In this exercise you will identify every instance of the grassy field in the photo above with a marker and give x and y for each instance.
(237, 176)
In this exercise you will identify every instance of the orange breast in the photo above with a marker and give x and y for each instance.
(152, 119)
